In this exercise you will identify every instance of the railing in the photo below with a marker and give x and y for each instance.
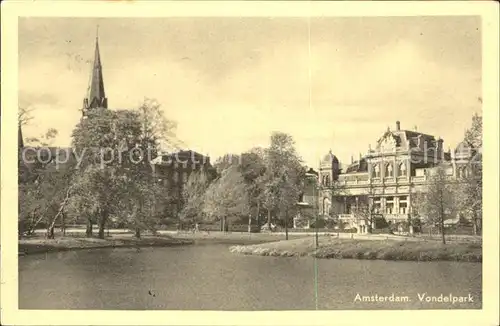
(396, 216)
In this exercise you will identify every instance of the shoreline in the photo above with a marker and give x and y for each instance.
(391, 250)
(38, 245)
(77, 241)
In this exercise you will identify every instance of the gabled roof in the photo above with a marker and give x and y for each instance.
(406, 139)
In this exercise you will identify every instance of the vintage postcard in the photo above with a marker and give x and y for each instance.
(249, 163)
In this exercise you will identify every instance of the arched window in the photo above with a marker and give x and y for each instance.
(327, 180)
(389, 170)
(402, 169)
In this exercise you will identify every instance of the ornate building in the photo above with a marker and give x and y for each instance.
(385, 178)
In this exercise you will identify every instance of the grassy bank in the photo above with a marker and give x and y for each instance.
(41, 245)
(233, 238)
(367, 249)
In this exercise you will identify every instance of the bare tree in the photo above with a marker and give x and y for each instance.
(24, 115)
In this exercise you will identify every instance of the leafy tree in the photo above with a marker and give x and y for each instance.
(252, 169)
(283, 178)
(438, 200)
(113, 148)
(138, 204)
(474, 135)
(226, 198)
(159, 130)
(44, 180)
(193, 193)
(470, 184)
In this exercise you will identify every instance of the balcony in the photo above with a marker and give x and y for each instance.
(396, 217)
(344, 217)
(420, 178)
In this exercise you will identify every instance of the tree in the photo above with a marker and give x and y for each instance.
(113, 149)
(158, 129)
(470, 184)
(226, 161)
(474, 135)
(283, 178)
(24, 115)
(44, 180)
(193, 194)
(439, 200)
(252, 168)
(42, 197)
(226, 198)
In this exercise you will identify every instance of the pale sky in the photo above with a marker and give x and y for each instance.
(230, 82)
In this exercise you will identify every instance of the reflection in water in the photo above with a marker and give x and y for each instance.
(211, 278)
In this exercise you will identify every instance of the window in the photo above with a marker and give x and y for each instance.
(389, 205)
(402, 169)
(376, 205)
(403, 207)
(184, 176)
(327, 180)
(176, 176)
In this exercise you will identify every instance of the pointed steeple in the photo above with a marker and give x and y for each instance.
(96, 97)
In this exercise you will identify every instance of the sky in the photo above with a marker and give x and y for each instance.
(333, 83)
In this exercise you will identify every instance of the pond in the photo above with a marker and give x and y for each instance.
(209, 277)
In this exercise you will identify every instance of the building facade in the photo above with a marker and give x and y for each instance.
(385, 177)
(173, 170)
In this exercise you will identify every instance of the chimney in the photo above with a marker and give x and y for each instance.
(415, 128)
(398, 125)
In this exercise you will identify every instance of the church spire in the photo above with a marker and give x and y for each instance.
(96, 98)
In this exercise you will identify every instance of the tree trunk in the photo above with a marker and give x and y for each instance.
(442, 229)
(102, 224)
(249, 223)
(286, 226)
(50, 232)
(88, 231)
(269, 219)
(474, 223)
(258, 215)
(224, 224)
(138, 233)
(63, 224)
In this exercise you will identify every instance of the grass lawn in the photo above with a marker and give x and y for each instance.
(367, 249)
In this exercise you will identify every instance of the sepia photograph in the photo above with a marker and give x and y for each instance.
(250, 163)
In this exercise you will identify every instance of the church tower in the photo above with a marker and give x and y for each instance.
(96, 98)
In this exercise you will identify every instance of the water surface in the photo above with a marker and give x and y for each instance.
(209, 277)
